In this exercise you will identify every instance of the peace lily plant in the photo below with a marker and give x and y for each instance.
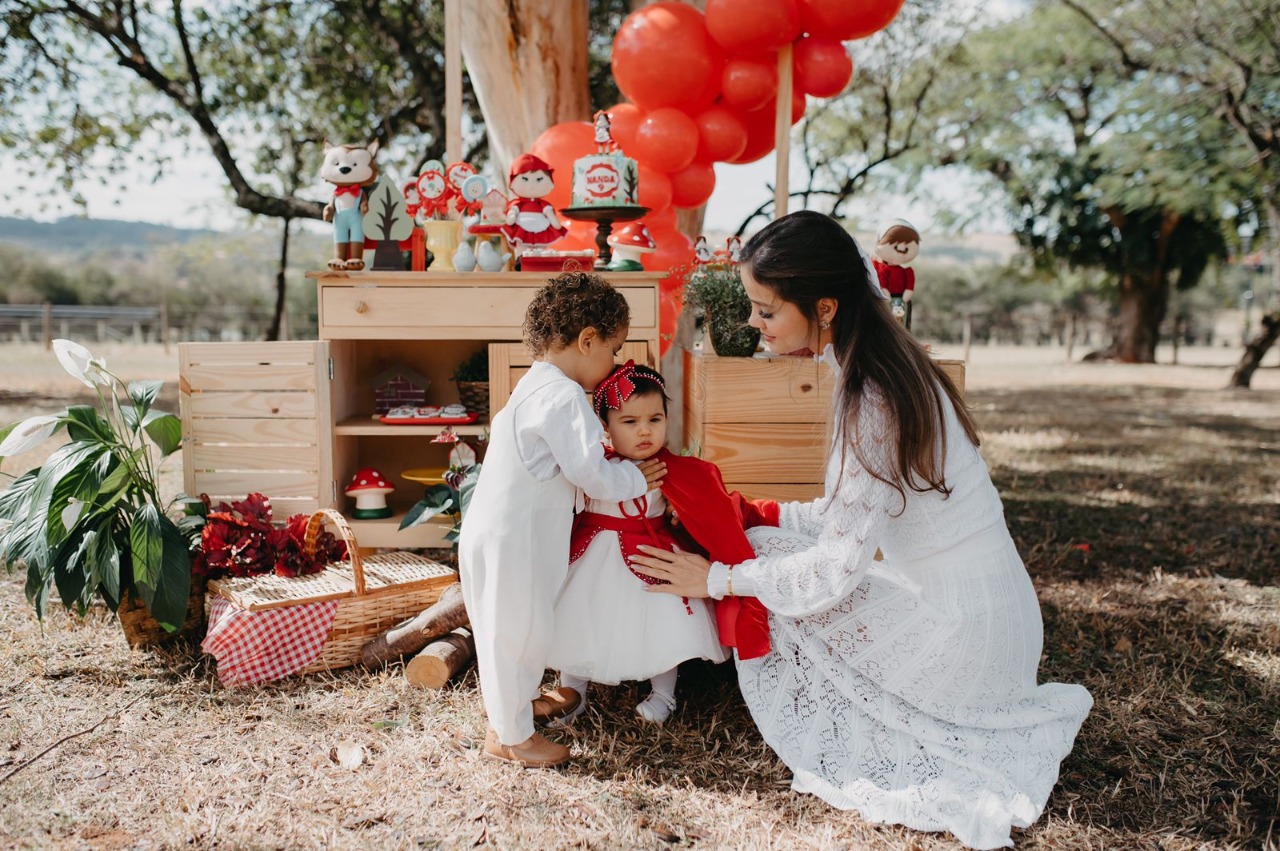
(91, 520)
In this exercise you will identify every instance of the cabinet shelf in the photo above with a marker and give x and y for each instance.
(386, 532)
(367, 426)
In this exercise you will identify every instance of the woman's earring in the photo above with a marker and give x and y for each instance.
(824, 324)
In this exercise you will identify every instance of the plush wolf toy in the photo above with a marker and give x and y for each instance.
(350, 168)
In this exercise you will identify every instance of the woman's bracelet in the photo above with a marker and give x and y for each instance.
(728, 582)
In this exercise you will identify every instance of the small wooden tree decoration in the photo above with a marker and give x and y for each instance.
(387, 223)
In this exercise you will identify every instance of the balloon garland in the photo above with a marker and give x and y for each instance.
(702, 88)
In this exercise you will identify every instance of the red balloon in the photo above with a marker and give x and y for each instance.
(655, 188)
(748, 84)
(559, 146)
(692, 186)
(747, 25)
(663, 56)
(760, 134)
(843, 20)
(667, 140)
(664, 219)
(674, 249)
(822, 66)
(624, 121)
(721, 136)
(581, 235)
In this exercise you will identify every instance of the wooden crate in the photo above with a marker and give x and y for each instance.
(255, 418)
(765, 422)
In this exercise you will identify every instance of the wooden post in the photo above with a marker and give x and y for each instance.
(46, 319)
(453, 81)
(968, 334)
(164, 324)
(782, 135)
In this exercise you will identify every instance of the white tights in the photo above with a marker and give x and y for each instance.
(656, 708)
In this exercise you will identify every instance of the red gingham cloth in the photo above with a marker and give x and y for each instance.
(258, 647)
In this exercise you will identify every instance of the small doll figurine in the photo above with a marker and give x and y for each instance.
(898, 245)
(350, 168)
(531, 221)
(412, 199)
(702, 251)
(604, 134)
(457, 174)
(733, 245)
(470, 197)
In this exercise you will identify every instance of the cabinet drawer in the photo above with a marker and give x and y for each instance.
(445, 312)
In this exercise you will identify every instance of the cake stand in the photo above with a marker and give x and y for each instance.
(604, 217)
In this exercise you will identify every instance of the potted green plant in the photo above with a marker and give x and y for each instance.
(716, 289)
(91, 521)
(453, 496)
(472, 378)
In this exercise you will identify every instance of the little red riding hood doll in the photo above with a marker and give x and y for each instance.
(531, 221)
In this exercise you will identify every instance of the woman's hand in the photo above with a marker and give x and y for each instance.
(654, 472)
(686, 573)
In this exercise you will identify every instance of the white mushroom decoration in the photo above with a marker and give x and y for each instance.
(370, 489)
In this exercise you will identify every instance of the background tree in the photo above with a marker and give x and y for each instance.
(258, 86)
(1226, 55)
(1100, 169)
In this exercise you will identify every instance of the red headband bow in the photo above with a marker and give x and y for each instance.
(619, 386)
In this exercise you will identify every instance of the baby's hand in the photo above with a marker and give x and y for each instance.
(654, 471)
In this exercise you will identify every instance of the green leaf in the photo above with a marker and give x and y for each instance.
(165, 430)
(106, 560)
(437, 500)
(81, 482)
(14, 500)
(70, 571)
(143, 394)
(169, 603)
(146, 545)
(37, 588)
(85, 424)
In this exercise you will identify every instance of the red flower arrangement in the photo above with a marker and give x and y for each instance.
(240, 540)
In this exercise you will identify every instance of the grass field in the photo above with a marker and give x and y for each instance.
(1145, 501)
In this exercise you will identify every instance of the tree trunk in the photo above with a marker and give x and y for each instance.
(527, 60)
(1256, 350)
(1143, 299)
(277, 318)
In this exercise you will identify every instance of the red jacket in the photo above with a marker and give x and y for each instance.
(716, 521)
(895, 280)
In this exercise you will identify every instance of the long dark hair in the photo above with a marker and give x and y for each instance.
(805, 257)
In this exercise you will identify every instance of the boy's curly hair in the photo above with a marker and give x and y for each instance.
(569, 303)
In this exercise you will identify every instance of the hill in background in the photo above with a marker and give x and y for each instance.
(77, 235)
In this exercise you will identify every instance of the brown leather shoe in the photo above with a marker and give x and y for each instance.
(554, 704)
(535, 752)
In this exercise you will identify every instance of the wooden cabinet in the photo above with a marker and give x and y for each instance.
(765, 422)
(295, 420)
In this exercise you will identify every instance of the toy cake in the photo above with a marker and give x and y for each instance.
(607, 178)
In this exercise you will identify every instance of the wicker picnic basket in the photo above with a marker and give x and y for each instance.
(374, 593)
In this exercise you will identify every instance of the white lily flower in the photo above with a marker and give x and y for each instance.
(70, 514)
(28, 435)
(462, 455)
(81, 364)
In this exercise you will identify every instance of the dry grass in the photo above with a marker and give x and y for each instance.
(1171, 617)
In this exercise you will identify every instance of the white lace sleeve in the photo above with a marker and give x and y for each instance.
(803, 517)
(816, 579)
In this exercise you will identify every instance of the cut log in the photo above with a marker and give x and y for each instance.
(404, 639)
(441, 659)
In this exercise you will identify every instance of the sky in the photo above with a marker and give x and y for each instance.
(192, 191)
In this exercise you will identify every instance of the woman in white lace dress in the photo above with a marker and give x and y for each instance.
(905, 688)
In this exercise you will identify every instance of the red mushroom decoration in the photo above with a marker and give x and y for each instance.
(628, 244)
(369, 488)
